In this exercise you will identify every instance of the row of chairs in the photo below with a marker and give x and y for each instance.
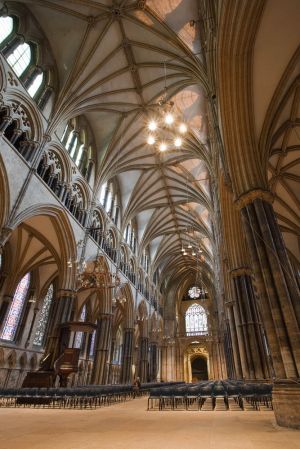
(212, 395)
(80, 397)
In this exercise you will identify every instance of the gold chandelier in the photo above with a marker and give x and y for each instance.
(95, 275)
(165, 129)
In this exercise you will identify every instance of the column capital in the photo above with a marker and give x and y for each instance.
(252, 195)
(62, 293)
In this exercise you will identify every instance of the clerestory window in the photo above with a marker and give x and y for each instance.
(6, 27)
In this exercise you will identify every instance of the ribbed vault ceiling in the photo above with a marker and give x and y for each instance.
(112, 59)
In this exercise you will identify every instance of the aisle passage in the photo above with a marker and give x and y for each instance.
(130, 426)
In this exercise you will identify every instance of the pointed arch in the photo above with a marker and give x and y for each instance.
(4, 194)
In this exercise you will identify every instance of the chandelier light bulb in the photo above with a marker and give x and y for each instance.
(185, 253)
(163, 147)
(182, 128)
(183, 250)
(189, 246)
(151, 140)
(152, 125)
(169, 119)
(178, 142)
(193, 253)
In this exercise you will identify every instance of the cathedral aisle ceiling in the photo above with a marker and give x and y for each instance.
(276, 98)
(114, 60)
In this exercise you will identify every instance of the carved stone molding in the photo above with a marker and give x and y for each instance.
(197, 351)
(5, 235)
(251, 196)
(62, 293)
(240, 272)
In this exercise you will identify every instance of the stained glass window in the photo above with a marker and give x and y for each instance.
(196, 320)
(15, 311)
(43, 319)
(6, 27)
(19, 60)
(79, 335)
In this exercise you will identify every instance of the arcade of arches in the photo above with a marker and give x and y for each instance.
(204, 236)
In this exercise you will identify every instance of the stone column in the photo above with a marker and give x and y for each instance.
(4, 310)
(153, 362)
(144, 349)
(110, 372)
(234, 342)
(103, 344)
(229, 352)
(275, 281)
(127, 356)
(250, 326)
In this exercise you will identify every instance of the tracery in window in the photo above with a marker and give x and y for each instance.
(6, 27)
(196, 320)
(36, 84)
(79, 335)
(15, 311)
(43, 319)
(77, 139)
(20, 59)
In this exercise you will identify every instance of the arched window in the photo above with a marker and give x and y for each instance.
(118, 346)
(43, 319)
(36, 84)
(79, 155)
(6, 27)
(69, 141)
(92, 347)
(103, 194)
(15, 311)
(20, 59)
(109, 200)
(79, 335)
(196, 320)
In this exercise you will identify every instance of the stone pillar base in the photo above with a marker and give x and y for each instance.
(286, 403)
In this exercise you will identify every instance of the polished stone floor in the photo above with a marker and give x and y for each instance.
(130, 426)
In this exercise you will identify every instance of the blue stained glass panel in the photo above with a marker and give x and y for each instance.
(14, 314)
